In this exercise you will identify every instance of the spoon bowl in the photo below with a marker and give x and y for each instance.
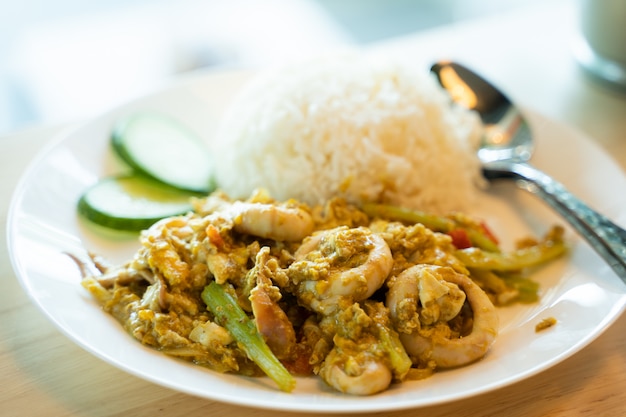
(507, 135)
(505, 153)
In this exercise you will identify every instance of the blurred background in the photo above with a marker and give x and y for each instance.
(66, 60)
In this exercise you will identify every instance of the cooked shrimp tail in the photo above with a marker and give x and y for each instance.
(270, 319)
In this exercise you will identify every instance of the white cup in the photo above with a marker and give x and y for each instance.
(602, 47)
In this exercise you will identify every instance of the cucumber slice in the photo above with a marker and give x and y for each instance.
(131, 202)
(165, 150)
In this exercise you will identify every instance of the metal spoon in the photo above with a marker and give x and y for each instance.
(507, 147)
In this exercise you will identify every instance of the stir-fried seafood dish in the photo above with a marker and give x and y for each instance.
(363, 297)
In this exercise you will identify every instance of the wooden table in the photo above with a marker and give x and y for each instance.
(528, 53)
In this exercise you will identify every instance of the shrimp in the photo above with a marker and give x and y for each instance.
(164, 248)
(440, 302)
(271, 221)
(339, 265)
(271, 320)
(259, 216)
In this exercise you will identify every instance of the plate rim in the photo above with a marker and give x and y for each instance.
(366, 405)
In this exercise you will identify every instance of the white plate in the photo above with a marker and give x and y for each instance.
(581, 292)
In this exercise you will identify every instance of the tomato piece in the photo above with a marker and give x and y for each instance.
(460, 238)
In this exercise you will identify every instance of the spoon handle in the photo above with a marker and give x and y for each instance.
(607, 238)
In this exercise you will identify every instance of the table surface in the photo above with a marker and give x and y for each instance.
(527, 53)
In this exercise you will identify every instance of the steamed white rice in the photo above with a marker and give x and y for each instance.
(352, 128)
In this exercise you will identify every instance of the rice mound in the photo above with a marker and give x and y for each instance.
(352, 128)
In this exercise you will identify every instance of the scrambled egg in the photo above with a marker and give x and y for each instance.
(363, 299)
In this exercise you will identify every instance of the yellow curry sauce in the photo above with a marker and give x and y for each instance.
(362, 298)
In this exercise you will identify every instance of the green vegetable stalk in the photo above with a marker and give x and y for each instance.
(389, 341)
(431, 221)
(400, 361)
(512, 261)
(231, 316)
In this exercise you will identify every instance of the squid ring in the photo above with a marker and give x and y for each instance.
(448, 353)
